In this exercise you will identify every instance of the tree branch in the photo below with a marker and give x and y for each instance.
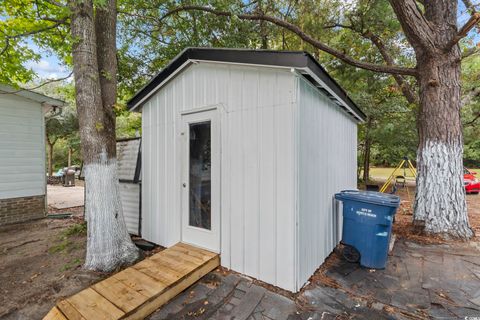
(469, 5)
(472, 94)
(296, 30)
(33, 32)
(7, 45)
(55, 3)
(407, 90)
(462, 33)
(472, 122)
(40, 85)
(471, 52)
(417, 28)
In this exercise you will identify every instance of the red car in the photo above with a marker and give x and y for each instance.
(472, 185)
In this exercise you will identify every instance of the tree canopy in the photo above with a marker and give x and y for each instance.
(149, 36)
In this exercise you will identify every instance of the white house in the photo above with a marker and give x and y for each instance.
(22, 154)
(242, 152)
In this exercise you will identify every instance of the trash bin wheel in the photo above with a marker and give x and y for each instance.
(350, 253)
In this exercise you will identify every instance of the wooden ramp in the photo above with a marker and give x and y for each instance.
(137, 291)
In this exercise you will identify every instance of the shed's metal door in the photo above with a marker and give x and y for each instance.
(201, 179)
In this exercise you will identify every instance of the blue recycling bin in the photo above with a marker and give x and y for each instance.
(367, 226)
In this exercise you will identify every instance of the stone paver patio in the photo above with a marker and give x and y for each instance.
(420, 282)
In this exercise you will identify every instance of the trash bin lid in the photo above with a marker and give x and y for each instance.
(373, 197)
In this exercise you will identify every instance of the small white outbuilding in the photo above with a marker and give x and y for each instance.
(242, 152)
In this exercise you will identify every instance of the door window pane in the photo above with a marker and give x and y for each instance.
(200, 175)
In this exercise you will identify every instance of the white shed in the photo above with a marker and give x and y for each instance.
(22, 154)
(242, 152)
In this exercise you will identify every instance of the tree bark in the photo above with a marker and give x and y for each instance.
(108, 242)
(440, 199)
(50, 158)
(440, 204)
(366, 152)
(69, 157)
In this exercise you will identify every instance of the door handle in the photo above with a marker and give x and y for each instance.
(184, 185)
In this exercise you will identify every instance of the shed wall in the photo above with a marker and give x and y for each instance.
(257, 164)
(22, 147)
(327, 161)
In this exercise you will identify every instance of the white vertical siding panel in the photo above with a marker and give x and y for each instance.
(154, 214)
(285, 183)
(235, 103)
(162, 151)
(146, 177)
(178, 104)
(250, 169)
(267, 179)
(327, 144)
(267, 187)
(172, 186)
(284, 205)
(222, 89)
(188, 89)
(22, 147)
(158, 224)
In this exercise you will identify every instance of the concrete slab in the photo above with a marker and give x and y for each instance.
(59, 197)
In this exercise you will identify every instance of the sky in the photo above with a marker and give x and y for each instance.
(49, 66)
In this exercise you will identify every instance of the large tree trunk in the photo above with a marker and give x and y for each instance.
(108, 243)
(69, 157)
(440, 198)
(366, 151)
(50, 158)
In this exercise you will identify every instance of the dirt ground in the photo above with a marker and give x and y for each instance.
(403, 219)
(40, 262)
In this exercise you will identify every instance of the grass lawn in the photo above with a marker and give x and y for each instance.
(377, 173)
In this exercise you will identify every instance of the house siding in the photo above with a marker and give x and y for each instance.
(327, 161)
(22, 148)
(256, 108)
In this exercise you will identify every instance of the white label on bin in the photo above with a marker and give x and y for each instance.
(382, 234)
(366, 212)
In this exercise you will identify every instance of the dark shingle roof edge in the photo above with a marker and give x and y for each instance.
(294, 59)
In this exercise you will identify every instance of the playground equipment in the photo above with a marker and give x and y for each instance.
(399, 179)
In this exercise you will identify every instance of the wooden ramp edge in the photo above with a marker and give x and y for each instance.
(139, 290)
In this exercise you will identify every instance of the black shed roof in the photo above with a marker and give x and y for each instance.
(302, 61)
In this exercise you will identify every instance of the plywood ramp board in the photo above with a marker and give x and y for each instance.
(139, 290)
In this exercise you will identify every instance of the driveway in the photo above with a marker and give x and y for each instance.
(59, 197)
